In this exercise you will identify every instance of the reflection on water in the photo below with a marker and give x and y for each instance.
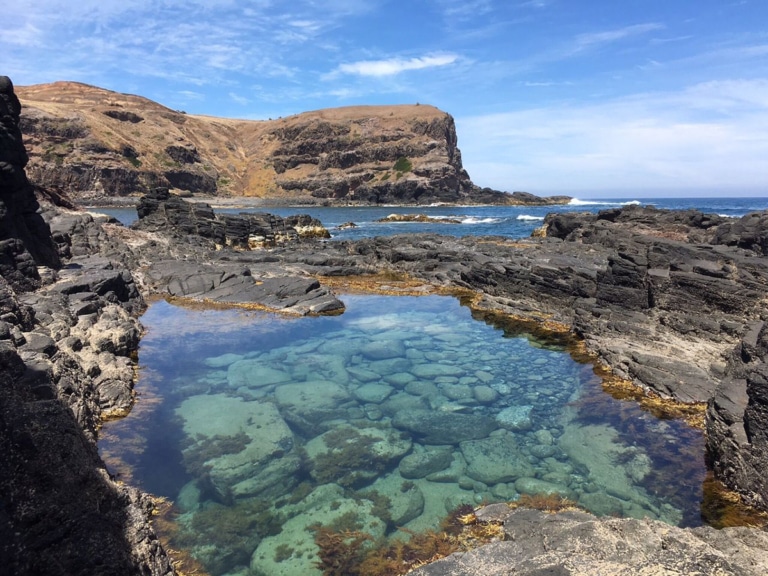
(259, 426)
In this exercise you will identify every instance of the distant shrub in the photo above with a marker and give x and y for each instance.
(403, 165)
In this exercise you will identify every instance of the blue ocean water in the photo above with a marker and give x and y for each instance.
(509, 221)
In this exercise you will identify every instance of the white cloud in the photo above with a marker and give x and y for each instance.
(393, 66)
(25, 35)
(711, 135)
(242, 100)
(596, 38)
(461, 9)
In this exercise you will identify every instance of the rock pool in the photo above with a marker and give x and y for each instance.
(259, 426)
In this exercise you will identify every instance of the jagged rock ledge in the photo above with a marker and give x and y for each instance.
(67, 330)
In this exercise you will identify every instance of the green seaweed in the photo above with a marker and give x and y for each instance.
(349, 453)
(382, 505)
(283, 552)
(233, 532)
(206, 448)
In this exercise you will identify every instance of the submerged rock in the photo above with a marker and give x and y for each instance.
(250, 452)
(354, 457)
(495, 459)
(254, 374)
(516, 418)
(293, 551)
(597, 450)
(307, 406)
(443, 427)
(425, 462)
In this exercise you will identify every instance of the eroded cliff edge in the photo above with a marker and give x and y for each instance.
(96, 145)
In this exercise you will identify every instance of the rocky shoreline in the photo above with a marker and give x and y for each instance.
(673, 301)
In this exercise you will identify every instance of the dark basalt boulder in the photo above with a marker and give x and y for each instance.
(737, 419)
(25, 239)
(161, 211)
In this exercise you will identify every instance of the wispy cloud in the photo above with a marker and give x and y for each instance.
(242, 100)
(584, 41)
(535, 4)
(198, 41)
(394, 66)
(710, 135)
(462, 9)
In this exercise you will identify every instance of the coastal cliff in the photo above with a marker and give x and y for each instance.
(96, 145)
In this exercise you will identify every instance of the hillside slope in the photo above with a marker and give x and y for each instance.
(95, 144)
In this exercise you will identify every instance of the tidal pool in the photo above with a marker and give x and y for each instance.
(259, 427)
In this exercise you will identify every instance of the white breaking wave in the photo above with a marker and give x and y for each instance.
(527, 217)
(475, 220)
(577, 202)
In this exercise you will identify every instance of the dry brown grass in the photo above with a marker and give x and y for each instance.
(240, 151)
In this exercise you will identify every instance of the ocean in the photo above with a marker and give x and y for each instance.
(508, 221)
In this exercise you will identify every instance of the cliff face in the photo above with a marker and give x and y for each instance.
(65, 339)
(25, 239)
(94, 144)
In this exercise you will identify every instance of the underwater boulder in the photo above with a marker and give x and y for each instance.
(495, 459)
(383, 349)
(437, 427)
(254, 374)
(422, 463)
(308, 406)
(253, 443)
(354, 457)
(516, 418)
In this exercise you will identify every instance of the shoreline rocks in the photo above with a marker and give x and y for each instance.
(67, 330)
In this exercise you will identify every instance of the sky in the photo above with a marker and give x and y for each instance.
(591, 98)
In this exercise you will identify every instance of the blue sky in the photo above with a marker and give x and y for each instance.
(593, 98)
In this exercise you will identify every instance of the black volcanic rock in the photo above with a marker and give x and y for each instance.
(25, 239)
(161, 211)
(60, 512)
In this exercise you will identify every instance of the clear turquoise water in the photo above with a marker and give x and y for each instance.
(259, 426)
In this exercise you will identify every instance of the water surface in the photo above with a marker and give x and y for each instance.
(510, 221)
(260, 426)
